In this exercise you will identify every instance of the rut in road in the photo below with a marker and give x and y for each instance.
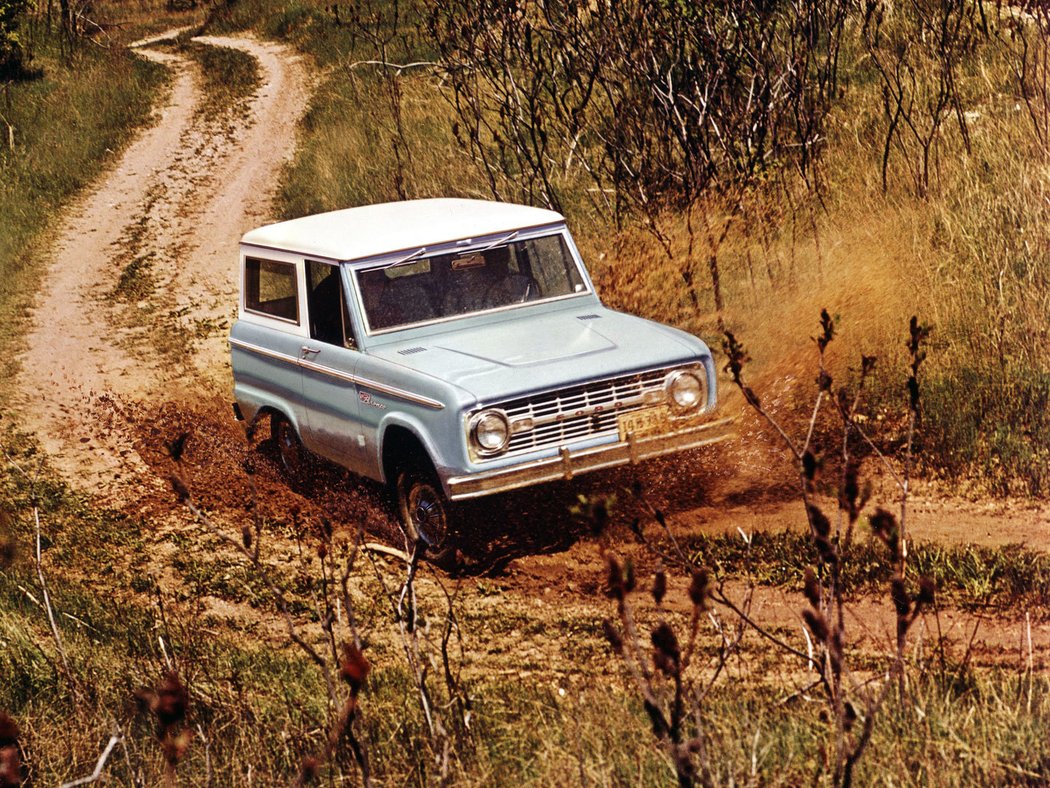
(178, 201)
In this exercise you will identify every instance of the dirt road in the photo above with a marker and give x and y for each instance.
(175, 205)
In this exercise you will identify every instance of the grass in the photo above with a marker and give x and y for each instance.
(1004, 578)
(549, 703)
(230, 78)
(69, 124)
(256, 710)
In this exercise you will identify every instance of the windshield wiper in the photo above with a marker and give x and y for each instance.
(406, 259)
(494, 244)
(423, 250)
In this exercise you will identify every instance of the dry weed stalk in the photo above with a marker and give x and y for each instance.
(672, 699)
(824, 615)
(168, 702)
(853, 702)
(445, 704)
(341, 660)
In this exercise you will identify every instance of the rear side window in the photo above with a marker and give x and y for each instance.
(270, 288)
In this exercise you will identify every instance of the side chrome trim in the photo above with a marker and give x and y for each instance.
(332, 373)
(393, 391)
(240, 343)
(426, 402)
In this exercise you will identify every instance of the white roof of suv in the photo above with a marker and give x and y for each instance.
(356, 233)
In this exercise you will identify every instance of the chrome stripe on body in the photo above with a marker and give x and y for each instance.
(332, 373)
(240, 343)
(393, 391)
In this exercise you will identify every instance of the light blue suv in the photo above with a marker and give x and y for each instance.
(453, 349)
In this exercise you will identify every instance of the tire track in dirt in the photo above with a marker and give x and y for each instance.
(178, 201)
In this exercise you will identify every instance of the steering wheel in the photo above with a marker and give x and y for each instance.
(514, 289)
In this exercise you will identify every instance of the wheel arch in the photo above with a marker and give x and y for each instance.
(399, 443)
(273, 413)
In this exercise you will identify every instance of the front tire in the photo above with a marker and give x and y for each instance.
(423, 510)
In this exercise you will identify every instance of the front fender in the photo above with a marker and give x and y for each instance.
(424, 433)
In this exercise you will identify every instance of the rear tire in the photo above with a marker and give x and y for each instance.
(293, 456)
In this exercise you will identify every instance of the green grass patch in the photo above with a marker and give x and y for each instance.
(967, 575)
(259, 710)
(538, 715)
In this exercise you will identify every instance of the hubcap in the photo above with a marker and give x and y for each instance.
(428, 515)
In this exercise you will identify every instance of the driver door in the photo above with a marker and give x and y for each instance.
(329, 360)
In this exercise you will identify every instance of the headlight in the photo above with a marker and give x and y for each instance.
(685, 390)
(490, 432)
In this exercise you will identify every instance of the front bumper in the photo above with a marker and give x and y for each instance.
(572, 463)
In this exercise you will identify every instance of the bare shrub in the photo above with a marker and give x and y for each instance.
(641, 108)
(917, 50)
(1026, 28)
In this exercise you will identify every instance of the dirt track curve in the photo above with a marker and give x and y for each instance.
(178, 200)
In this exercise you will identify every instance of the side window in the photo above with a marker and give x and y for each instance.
(329, 318)
(270, 289)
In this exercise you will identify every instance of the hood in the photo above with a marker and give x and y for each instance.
(536, 352)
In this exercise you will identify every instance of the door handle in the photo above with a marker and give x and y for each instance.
(306, 350)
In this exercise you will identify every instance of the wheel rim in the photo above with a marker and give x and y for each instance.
(426, 514)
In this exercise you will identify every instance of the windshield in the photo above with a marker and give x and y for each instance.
(465, 282)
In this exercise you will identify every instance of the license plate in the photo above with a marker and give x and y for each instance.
(643, 422)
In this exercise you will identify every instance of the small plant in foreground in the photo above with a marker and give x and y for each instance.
(338, 651)
(670, 699)
(340, 659)
(11, 772)
(823, 588)
(168, 703)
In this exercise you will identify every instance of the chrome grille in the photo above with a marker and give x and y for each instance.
(579, 412)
